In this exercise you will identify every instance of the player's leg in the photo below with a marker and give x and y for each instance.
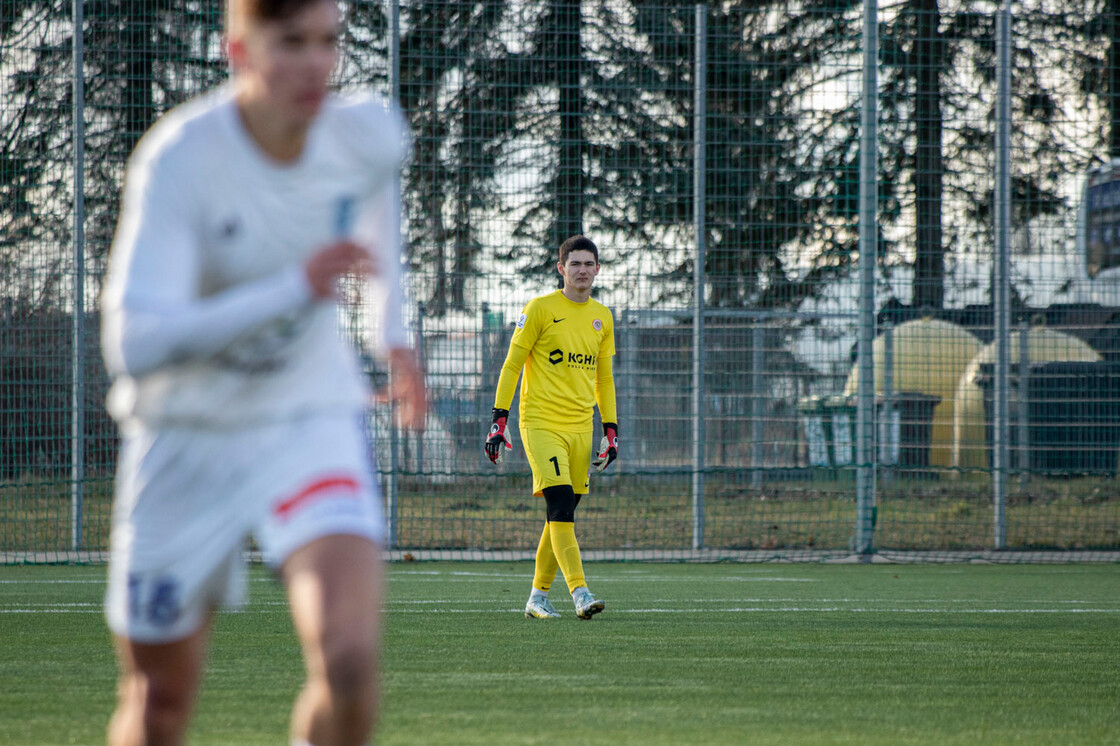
(546, 567)
(538, 606)
(156, 691)
(560, 463)
(323, 534)
(579, 464)
(560, 501)
(543, 450)
(334, 586)
(175, 554)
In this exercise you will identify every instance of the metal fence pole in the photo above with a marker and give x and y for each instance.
(698, 174)
(392, 487)
(628, 384)
(868, 253)
(422, 361)
(888, 411)
(395, 49)
(1024, 393)
(758, 340)
(1001, 274)
(78, 383)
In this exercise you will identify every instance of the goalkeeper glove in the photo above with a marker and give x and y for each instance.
(608, 447)
(498, 437)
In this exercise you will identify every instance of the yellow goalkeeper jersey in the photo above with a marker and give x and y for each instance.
(567, 344)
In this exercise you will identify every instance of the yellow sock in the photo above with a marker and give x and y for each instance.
(547, 565)
(566, 550)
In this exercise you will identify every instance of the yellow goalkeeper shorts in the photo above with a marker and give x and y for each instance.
(558, 458)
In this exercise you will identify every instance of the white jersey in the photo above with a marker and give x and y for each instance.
(208, 318)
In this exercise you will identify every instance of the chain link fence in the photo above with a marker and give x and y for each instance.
(727, 208)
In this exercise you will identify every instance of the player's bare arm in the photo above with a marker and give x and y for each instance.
(407, 388)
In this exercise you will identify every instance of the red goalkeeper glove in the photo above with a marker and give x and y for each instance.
(498, 437)
(608, 447)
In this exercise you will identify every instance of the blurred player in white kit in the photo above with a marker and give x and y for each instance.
(240, 405)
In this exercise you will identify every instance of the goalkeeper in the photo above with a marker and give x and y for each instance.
(565, 342)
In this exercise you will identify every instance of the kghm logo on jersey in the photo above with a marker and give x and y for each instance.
(573, 359)
(597, 325)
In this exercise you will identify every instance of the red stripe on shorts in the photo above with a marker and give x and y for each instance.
(315, 489)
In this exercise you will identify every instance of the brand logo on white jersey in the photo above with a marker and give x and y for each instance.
(229, 228)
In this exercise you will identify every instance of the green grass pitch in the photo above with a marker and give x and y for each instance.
(684, 654)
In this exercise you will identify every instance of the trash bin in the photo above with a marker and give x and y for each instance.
(904, 429)
(829, 423)
(915, 426)
(812, 413)
(1073, 416)
(840, 427)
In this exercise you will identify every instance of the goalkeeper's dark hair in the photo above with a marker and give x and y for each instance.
(578, 243)
(254, 11)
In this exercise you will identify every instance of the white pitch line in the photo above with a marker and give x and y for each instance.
(50, 611)
(456, 573)
(840, 609)
(757, 600)
(791, 609)
(60, 604)
(438, 575)
(95, 609)
(48, 581)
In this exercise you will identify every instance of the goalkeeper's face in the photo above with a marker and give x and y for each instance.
(579, 270)
(285, 64)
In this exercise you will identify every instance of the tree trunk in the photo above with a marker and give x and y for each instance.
(464, 234)
(1112, 19)
(929, 259)
(137, 98)
(569, 195)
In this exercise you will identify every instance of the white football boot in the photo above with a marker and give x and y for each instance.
(587, 605)
(540, 608)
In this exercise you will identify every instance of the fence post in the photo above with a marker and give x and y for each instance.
(888, 415)
(78, 384)
(395, 49)
(1001, 273)
(868, 253)
(422, 361)
(392, 508)
(627, 385)
(758, 340)
(698, 174)
(1024, 404)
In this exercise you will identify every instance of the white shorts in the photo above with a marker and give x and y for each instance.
(186, 499)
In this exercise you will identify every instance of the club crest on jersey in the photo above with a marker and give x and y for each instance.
(521, 321)
(343, 215)
(597, 325)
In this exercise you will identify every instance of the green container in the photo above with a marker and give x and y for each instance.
(829, 423)
(840, 418)
(813, 418)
